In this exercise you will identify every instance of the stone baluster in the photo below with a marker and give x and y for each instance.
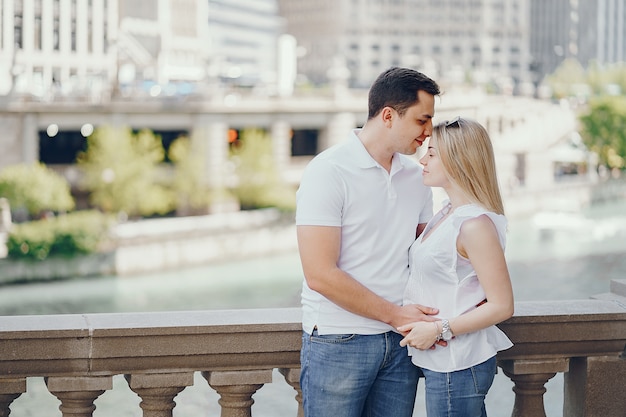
(10, 389)
(236, 389)
(530, 377)
(292, 376)
(77, 394)
(594, 386)
(157, 391)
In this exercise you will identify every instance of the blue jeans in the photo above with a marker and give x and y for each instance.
(349, 375)
(459, 393)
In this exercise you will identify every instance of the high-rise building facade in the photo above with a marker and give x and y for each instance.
(162, 45)
(243, 41)
(448, 39)
(51, 49)
(589, 31)
(57, 46)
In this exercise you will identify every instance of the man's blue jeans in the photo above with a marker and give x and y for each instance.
(459, 393)
(351, 375)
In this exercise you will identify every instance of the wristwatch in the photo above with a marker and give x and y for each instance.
(446, 333)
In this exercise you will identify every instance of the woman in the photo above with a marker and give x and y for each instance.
(457, 264)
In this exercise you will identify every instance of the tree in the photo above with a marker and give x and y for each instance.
(567, 80)
(259, 182)
(191, 191)
(604, 130)
(120, 172)
(35, 188)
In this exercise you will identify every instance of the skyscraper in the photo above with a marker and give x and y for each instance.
(448, 39)
(584, 30)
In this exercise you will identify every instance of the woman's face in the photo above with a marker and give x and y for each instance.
(434, 172)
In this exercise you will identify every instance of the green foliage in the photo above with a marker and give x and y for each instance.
(66, 235)
(35, 188)
(571, 80)
(120, 171)
(607, 79)
(604, 130)
(568, 80)
(189, 185)
(259, 183)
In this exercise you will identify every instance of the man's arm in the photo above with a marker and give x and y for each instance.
(319, 248)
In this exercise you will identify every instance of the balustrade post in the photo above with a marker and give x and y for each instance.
(530, 377)
(157, 391)
(77, 394)
(10, 389)
(594, 386)
(236, 389)
(292, 376)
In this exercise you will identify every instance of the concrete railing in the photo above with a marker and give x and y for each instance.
(237, 351)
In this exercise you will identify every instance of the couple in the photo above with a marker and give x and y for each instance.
(380, 307)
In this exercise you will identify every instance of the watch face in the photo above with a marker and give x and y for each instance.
(447, 335)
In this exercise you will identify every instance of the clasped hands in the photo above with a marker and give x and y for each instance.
(422, 334)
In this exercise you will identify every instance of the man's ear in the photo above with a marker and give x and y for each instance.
(387, 115)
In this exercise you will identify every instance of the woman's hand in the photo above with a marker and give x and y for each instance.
(420, 335)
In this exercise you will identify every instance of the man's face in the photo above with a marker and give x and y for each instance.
(411, 130)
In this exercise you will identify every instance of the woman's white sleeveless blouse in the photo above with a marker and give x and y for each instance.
(441, 278)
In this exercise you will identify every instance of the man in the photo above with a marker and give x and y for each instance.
(359, 207)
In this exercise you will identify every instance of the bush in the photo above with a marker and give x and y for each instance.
(35, 188)
(191, 191)
(75, 233)
(259, 182)
(120, 169)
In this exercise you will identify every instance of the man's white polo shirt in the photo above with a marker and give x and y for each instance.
(378, 213)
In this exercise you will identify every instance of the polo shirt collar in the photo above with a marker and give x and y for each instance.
(364, 160)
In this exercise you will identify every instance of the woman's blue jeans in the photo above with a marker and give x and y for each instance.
(351, 375)
(459, 393)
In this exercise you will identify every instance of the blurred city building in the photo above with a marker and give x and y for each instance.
(589, 31)
(453, 41)
(96, 49)
(242, 47)
(57, 47)
(161, 46)
(211, 68)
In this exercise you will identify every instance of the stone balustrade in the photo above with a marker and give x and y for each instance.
(237, 351)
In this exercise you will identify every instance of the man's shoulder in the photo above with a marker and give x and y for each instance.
(338, 154)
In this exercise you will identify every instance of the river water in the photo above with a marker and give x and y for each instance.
(574, 258)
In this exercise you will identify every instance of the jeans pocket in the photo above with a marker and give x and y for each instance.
(331, 338)
(483, 375)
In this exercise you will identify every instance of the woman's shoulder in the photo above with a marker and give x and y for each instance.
(476, 216)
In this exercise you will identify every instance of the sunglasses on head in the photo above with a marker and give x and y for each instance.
(454, 122)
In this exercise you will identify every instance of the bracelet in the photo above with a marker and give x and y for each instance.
(438, 332)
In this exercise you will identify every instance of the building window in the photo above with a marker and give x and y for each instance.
(17, 31)
(37, 37)
(56, 36)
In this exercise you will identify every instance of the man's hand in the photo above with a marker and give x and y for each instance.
(411, 313)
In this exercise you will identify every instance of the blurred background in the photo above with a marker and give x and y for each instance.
(148, 138)
(151, 149)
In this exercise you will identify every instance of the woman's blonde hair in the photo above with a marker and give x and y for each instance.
(467, 156)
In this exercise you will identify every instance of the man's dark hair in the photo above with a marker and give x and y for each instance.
(397, 88)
